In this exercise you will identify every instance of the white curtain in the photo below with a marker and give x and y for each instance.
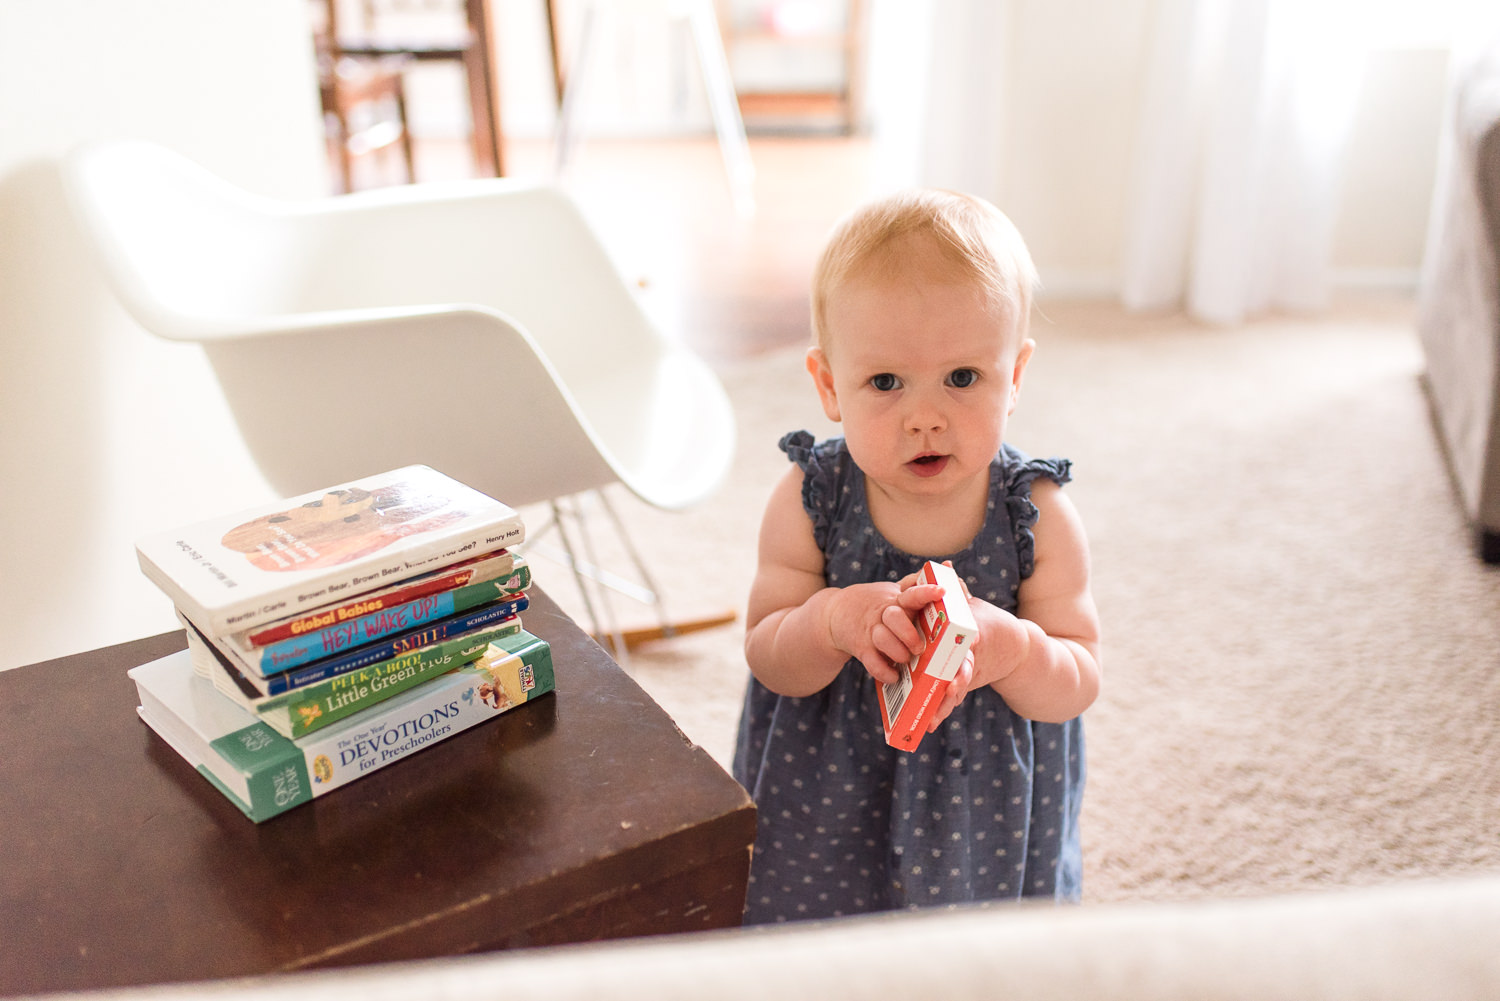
(1246, 111)
(1246, 114)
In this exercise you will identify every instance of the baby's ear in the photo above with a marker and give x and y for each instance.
(822, 375)
(1023, 356)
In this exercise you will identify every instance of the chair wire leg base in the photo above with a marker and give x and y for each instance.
(652, 591)
(594, 581)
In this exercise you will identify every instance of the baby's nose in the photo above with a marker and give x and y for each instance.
(925, 416)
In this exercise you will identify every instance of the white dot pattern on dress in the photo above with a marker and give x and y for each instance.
(846, 823)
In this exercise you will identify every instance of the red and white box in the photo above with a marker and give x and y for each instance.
(908, 704)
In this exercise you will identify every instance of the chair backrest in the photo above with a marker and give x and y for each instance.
(205, 258)
(177, 241)
(480, 328)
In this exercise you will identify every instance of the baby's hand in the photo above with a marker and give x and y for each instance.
(873, 623)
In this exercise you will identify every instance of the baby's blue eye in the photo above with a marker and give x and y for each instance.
(885, 382)
(962, 378)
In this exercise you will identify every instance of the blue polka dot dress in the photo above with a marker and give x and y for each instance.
(986, 808)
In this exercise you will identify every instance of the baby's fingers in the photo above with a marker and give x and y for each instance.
(903, 638)
(919, 596)
(879, 667)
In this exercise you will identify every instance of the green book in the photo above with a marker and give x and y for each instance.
(264, 773)
(306, 710)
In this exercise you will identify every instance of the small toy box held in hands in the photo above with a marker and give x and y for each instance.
(322, 628)
(948, 627)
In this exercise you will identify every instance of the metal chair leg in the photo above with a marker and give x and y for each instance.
(594, 581)
(585, 572)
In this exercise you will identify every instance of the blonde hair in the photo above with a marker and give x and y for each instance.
(973, 239)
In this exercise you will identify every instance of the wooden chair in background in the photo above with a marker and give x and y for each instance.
(456, 31)
(364, 109)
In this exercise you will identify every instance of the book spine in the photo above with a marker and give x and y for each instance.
(275, 770)
(374, 653)
(362, 629)
(472, 572)
(283, 773)
(307, 710)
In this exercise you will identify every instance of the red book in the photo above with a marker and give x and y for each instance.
(487, 566)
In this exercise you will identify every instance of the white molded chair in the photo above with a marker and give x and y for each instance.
(478, 327)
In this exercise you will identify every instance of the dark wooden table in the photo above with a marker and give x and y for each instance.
(585, 815)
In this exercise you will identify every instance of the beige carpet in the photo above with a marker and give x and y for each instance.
(1302, 655)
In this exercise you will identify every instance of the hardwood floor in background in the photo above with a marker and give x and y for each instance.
(729, 287)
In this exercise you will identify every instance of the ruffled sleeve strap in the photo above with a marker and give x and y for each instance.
(1021, 472)
(818, 469)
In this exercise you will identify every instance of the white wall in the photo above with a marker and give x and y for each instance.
(98, 420)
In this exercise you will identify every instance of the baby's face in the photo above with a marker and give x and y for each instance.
(923, 377)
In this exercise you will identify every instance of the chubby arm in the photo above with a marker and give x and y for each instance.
(800, 632)
(1045, 660)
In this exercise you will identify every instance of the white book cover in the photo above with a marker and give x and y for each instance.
(257, 565)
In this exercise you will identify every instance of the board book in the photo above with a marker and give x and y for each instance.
(305, 710)
(948, 628)
(241, 570)
(372, 629)
(370, 653)
(263, 773)
(487, 566)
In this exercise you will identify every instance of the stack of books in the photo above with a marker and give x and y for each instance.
(334, 633)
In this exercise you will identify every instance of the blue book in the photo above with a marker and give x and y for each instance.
(358, 630)
(380, 650)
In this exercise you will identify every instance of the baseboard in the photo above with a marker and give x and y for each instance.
(1395, 279)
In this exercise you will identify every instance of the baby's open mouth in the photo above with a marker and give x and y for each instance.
(929, 465)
